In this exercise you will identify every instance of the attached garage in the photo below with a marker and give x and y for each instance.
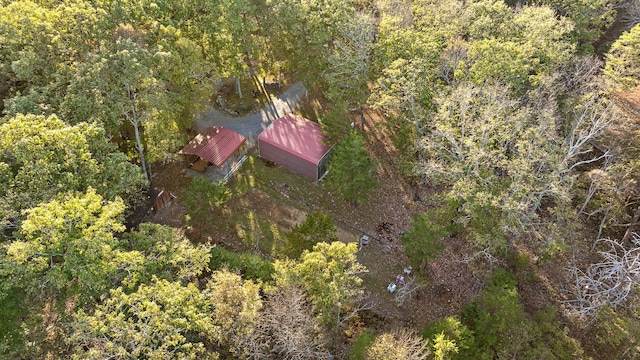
(297, 144)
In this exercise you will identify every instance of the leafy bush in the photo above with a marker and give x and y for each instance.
(617, 333)
(251, 266)
(502, 329)
(317, 227)
(203, 194)
(359, 349)
(425, 240)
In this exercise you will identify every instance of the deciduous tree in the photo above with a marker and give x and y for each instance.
(68, 243)
(397, 345)
(350, 64)
(330, 275)
(165, 253)
(287, 329)
(591, 19)
(160, 320)
(41, 157)
(236, 305)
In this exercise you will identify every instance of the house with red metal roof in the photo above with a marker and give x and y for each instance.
(215, 145)
(297, 144)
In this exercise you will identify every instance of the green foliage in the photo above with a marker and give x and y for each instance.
(167, 254)
(236, 305)
(428, 231)
(488, 19)
(496, 317)
(300, 33)
(450, 339)
(202, 196)
(398, 345)
(350, 62)
(335, 123)
(68, 243)
(41, 157)
(12, 339)
(158, 321)
(502, 329)
(351, 170)
(251, 266)
(316, 227)
(443, 347)
(622, 67)
(617, 332)
(591, 19)
(330, 274)
(551, 338)
(359, 348)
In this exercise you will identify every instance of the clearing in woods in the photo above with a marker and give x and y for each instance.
(268, 200)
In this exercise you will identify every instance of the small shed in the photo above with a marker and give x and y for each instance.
(297, 144)
(214, 145)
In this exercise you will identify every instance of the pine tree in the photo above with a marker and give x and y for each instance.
(351, 170)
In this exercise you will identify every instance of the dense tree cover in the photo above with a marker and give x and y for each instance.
(42, 157)
(591, 19)
(164, 319)
(495, 102)
(500, 110)
(159, 320)
(70, 245)
(623, 64)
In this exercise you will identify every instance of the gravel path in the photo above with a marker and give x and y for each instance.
(251, 125)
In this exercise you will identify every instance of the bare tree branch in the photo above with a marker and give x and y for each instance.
(609, 282)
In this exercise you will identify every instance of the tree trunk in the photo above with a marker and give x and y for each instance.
(238, 87)
(143, 163)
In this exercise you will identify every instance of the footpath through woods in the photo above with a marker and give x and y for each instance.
(251, 125)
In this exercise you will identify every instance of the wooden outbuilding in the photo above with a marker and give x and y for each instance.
(215, 145)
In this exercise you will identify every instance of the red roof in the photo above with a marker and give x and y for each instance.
(297, 135)
(215, 144)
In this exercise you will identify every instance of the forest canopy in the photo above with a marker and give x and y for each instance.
(518, 118)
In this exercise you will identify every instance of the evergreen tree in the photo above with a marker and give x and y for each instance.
(351, 170)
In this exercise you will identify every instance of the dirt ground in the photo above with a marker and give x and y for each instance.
(446, 283)
(269, 200)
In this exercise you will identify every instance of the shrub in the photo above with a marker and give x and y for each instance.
(359, 349)
(502, 329)
(428, 231)
(251, 266)
(317, 227)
